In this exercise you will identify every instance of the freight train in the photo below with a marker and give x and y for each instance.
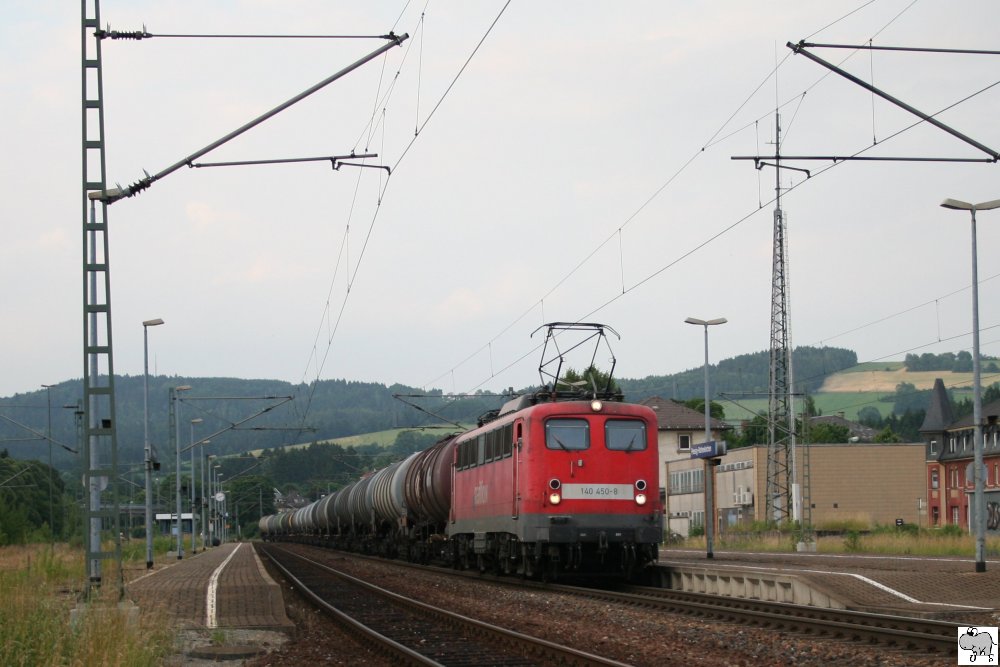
(553, 483)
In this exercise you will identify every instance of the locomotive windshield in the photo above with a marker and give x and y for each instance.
(625, 435)
(567, 434)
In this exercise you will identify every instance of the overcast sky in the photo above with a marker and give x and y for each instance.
(578, 169)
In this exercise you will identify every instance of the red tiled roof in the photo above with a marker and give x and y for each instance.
(674, 416)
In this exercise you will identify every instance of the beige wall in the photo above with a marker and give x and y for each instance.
(679, 509)
(874, 483)
(862, 482)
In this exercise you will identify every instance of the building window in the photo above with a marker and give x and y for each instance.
(951, 444)
(933, 446)
(684, 442)
(935, 515)
(687, 481)
(954, 515)
(934, 479)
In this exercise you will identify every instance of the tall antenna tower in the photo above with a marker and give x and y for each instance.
(780, 408)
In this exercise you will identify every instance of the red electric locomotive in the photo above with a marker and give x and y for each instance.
(559, 486)
(560, 480)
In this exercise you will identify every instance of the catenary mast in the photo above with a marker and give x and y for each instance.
(780, 411)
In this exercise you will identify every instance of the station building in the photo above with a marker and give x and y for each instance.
(949, 459)
(858, 482)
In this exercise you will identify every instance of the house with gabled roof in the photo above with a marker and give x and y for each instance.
(950, 451)
(858, 432)
(682, 479)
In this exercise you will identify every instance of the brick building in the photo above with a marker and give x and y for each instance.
(949, 457)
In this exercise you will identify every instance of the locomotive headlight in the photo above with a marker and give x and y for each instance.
(555, 497)
(640, 499)
(596, 405)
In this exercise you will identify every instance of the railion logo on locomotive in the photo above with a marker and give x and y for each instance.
(481, 494)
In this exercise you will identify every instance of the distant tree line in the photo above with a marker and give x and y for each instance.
(960, 362)
(745, 373)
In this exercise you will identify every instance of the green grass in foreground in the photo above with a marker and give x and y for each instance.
(39, 586)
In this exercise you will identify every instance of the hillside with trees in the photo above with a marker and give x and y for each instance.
(241, 416)
(746, 373)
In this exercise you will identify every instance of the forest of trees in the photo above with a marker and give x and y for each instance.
(947, 361)
(743, 374)
(245, 415)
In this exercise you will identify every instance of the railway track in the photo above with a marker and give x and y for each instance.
(902, 632)
(412, 632)
(929, 637)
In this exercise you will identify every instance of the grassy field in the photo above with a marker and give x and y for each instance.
(864, 385)
(39, 585)
(828, 403)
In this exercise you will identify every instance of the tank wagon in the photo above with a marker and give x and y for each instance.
(551, 483)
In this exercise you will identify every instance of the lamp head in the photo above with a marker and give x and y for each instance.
(706, 323)
(959, 205)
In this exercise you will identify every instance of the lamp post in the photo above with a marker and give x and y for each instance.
(709, 463)
(979, 514)
(205, 498)
(220, 508)
(147, 448)
(48, 436)
(214, 520)
(194, 546)
(174, 391)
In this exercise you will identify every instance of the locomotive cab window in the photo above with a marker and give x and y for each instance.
(567, 434)
(625, 435)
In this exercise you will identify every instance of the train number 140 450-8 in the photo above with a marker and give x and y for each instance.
(597, 492)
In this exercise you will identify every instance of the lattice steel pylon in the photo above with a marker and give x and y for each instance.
(99, 422)
(780, 408)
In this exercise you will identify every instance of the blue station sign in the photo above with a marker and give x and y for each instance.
(708, 450)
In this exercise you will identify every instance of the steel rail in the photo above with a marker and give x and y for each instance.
(544, 651)
(902, 632)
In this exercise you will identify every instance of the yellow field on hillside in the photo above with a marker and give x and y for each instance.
(886, 380)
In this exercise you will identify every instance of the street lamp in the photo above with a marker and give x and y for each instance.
(206, 499)
(147, 449)
(709, 463)
(201, 499)
(177, 463)
(979, 515)
(218, 505)
(48, 436)
(194, 546)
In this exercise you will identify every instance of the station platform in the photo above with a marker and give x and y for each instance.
(224, 587)
(927, 587)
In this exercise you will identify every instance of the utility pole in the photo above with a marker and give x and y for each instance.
(99, 423)
(780, 410)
